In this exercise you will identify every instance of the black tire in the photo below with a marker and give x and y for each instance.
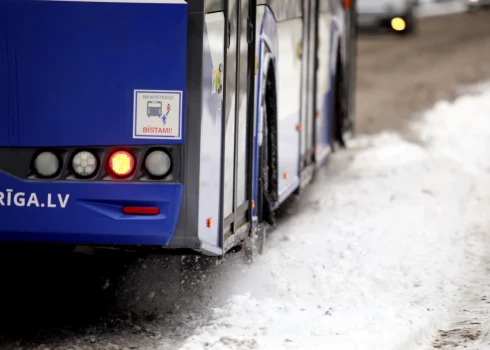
(339, 109)
(268, 152)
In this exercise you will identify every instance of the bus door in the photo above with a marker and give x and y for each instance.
(308, 83)
(237, 143)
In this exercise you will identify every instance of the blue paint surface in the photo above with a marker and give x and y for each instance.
(68, 71)
(74, 66)
(93, 212)
(4, 79)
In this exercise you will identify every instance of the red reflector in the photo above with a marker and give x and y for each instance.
(141, 210)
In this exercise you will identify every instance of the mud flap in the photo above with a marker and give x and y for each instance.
(255, 243)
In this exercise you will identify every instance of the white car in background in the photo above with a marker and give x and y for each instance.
(397, 15)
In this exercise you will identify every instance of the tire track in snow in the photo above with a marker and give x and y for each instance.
(470, 320)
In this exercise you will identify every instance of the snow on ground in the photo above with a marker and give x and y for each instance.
(469, 326)
(371, 254)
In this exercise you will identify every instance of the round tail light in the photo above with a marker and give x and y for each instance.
(46, 164)
(158, 163)
(121, 163)
(84, 164)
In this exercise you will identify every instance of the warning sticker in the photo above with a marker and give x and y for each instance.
(157, 114)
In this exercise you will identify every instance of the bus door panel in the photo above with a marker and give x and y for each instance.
(230, 76)
(242, 120)
(323, 78)
(235, 167)
(288, 78)
(211, 127)
(304, 80)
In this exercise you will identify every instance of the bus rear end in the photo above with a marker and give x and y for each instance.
(92, 117)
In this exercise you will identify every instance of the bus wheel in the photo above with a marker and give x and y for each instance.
(267, 179)
(267, 183)
(339, 109)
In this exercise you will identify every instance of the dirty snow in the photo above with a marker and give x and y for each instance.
(371, 256)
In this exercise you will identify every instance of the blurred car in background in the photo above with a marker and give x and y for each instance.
(474, 5)
(396, 15)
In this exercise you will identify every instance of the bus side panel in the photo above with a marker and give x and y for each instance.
(289, 105)
(324, 85)
(4, 81)
(242, 110)
(259, 51)
(211, 128)
(230, 114)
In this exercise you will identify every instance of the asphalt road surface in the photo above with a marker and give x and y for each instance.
(114, 301)
(398, 77)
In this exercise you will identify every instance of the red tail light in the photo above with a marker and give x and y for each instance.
(121, 163)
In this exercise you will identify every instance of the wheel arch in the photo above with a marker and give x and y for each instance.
(266, 51)
(268, 88)
(344, 61)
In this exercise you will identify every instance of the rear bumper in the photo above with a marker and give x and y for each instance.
(87, 212)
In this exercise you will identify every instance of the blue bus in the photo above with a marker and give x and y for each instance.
(167, 124)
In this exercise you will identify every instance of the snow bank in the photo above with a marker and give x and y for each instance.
(371, 254)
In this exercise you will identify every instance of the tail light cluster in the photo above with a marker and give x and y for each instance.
(118, 164)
